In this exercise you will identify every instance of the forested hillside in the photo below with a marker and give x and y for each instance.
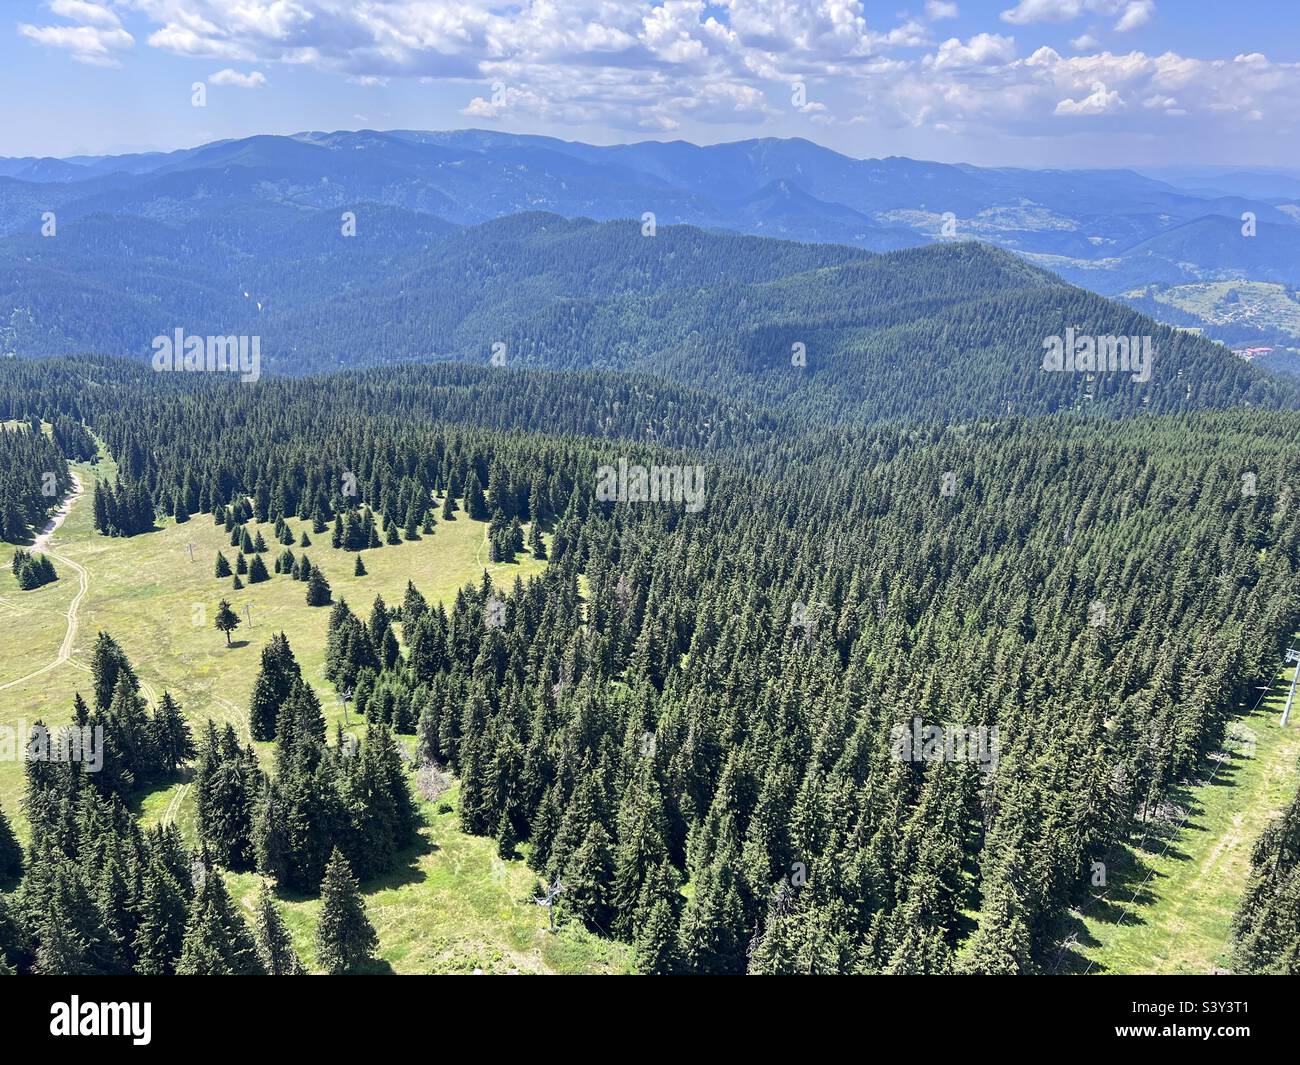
(832, 332)
(693, 719)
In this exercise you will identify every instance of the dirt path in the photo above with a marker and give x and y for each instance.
(173, 807)
(42, 544)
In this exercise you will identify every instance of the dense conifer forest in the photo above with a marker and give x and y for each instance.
(698, 722)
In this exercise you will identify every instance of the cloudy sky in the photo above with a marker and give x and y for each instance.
(1049, 83)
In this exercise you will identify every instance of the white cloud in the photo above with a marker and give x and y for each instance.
(662, 65)
(86, 12)
(93, 45)
(1100, 102)
(984, 49)
(1136, 13)
(1132, 13)
(254, 80)
(1028, 11)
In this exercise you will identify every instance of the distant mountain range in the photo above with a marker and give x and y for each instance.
(248, 229)
(770, 187)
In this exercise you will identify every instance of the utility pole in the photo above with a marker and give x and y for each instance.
(548, 900)
(190, 548)
(248, 613)
(1292, 655)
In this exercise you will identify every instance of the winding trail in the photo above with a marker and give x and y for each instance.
(173, 807)
(42, 544)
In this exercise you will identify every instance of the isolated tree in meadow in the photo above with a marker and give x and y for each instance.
(227, 620)
(359, 570)
(345, 937)
(318, 589)
(223, 567)
(236, 583)
(304, 540)
(274, 944)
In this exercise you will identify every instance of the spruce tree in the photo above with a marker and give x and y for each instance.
(172, 739)
(11, 853)
(164, 915)
(318, 589)
(656, 940)
(274, 944)
(345, 937)
(257, 571)
(217, 941)
(475, 502)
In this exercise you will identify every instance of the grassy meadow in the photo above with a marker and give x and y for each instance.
(1170, 898)
(453, 905)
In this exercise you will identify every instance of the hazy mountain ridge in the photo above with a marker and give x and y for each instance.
(472, 175)
(947, 330)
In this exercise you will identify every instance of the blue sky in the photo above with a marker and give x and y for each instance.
(1053, 83)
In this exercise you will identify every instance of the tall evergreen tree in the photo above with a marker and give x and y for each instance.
(345, 937)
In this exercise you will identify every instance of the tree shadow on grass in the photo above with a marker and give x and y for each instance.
(407, 870)
(1133, 883)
